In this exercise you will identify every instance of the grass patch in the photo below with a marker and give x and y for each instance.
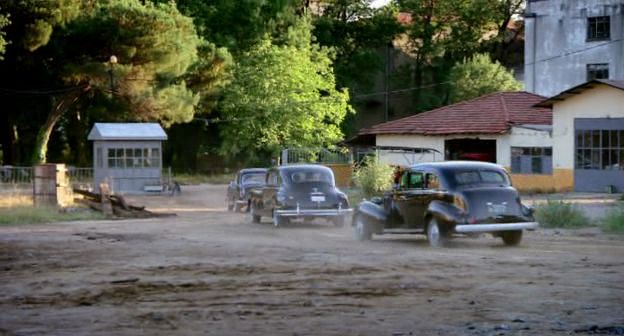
(35, 215)
(614, 221)
(559, 214)
(189, 179)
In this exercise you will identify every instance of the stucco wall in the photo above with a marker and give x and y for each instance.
(556, 48)
(600, 102)
(517, 137)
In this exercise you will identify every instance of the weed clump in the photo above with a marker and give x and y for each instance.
(559, 214)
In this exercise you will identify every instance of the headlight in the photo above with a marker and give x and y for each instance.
(459, 202)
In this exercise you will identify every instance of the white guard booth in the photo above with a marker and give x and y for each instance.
(128, 156)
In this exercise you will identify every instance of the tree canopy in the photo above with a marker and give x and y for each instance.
(283, 95)
(477, 76)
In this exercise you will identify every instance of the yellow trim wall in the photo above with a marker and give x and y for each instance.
(561, 180)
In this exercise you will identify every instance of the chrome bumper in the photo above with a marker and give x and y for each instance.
(313, 212)
(475, 228)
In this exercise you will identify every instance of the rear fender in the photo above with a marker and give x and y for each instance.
(444, 213)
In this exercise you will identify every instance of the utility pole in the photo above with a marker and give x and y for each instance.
(386, 84)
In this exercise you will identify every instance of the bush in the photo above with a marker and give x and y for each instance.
(614, 221)
(374, 177)
(558, 214)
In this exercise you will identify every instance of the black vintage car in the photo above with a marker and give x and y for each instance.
(299, 191)
(446, 198)
(239, 190)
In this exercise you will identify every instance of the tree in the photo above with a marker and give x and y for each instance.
(440, 33)
(4, 21)
(477, 76)
(283, 96)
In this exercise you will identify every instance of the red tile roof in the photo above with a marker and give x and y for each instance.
(489, 114)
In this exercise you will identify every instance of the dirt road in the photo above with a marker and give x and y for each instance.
(212, 272)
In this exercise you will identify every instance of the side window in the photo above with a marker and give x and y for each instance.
(416, 180)
(412, 180)
(433, 182)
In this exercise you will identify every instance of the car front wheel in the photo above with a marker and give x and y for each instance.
(512, 238)
(279, 220)
(436, 236)
(362, 229)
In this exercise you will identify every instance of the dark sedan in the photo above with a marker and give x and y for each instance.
(299, 191)
(239, 190)
(446, 198)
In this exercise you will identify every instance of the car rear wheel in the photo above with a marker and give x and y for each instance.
(362, 229)
(436, 235)
(254, 217)
(512, 238)
(338, 221)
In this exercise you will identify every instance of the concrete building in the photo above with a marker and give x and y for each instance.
(570, 42)
(128, 156)
(502, 127)
(588, 136)
(571, 141)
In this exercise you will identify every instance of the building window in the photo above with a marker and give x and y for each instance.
(598, 28)
(597, 71)
(531, 160)
(133, 158)
(600, 149)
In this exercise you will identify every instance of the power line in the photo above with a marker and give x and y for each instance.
(574, 52)
(401, 90)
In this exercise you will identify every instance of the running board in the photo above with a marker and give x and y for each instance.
(403, 231)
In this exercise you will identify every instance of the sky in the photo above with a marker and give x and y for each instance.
(379, 3)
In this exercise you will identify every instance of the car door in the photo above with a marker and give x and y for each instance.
(408, 200)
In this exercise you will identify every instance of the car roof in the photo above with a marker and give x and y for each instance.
(304, 167)
(457, 165)
(252, 170)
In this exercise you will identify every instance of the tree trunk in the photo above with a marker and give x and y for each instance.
(43, 136)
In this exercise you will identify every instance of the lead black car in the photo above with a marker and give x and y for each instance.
(299, 191)
(446, 198)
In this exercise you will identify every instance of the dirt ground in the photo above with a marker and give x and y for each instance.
(208, 271)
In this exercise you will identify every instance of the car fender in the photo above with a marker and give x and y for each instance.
(444, 212)
(374, 214)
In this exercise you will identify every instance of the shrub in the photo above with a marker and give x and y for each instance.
(374, 177)
(614, 221)
(558, 214)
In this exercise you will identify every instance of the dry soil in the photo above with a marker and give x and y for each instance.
(208, 271)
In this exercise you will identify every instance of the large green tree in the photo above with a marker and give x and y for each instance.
(477, 76)
(164, 70)
(283, 96)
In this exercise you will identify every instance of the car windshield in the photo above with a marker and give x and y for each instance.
(302, 176)
(481, 177)
(253, 178)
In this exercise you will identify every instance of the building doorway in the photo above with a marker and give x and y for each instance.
(470, 149)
